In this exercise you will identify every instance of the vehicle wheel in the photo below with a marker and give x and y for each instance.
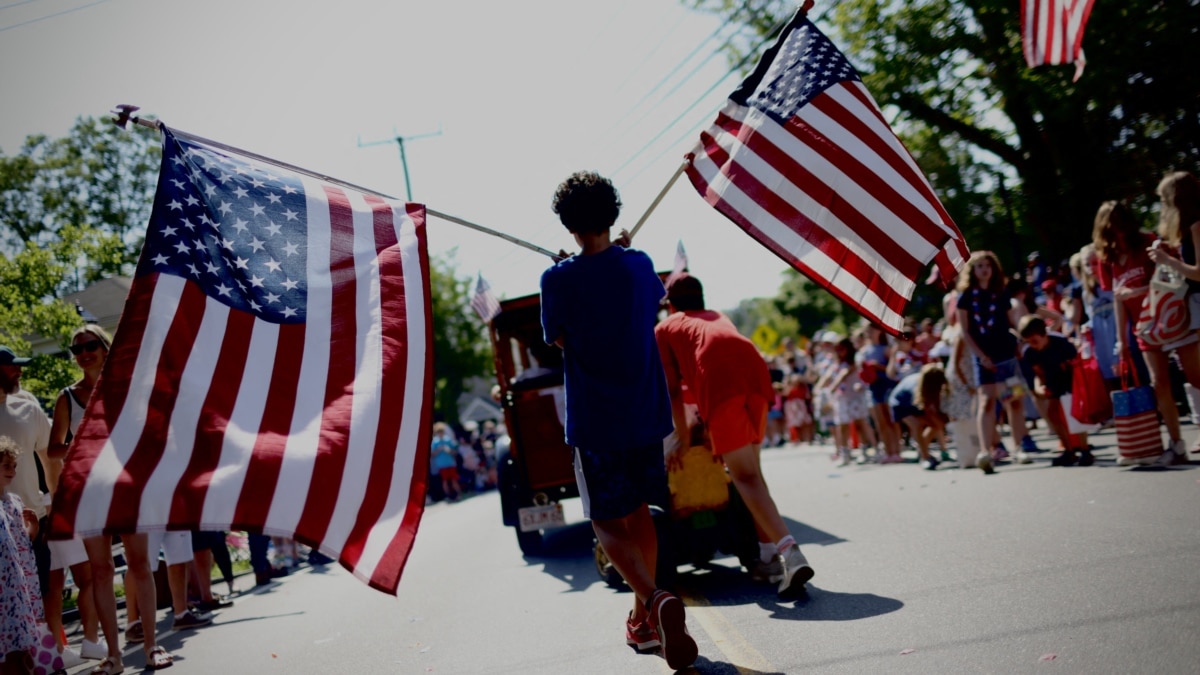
(530, 542)
(604, 567)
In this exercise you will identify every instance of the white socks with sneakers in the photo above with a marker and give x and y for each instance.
(785, 543)
(767, 551)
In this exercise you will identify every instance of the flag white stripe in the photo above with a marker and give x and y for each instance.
(870, 115)
(367, 387)
(768, 174)
(295, 472)
(801, 249)
(245, 420)
(390, 519)
(96, 500)
(199, 374)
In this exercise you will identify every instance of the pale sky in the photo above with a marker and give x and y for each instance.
(524, 93)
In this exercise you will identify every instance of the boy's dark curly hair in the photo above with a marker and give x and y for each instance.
(587, 202)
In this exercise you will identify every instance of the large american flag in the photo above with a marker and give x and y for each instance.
(1052, 31)
(272, 368)
(801, 159)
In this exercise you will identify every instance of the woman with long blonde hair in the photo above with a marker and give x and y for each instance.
(987, 318)
(1179, 228)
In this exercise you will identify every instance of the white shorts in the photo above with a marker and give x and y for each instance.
(176, 545)
(66, 553)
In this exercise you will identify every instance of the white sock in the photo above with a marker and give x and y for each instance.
(767, 551)
(785, 543)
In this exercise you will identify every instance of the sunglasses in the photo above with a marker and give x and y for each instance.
(89, 346)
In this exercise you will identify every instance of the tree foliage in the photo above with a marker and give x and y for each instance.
(96, 179)
(460, 347)
(952, 76)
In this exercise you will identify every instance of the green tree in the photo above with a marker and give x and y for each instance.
(97, 177)
(952, 77)
(460, 347)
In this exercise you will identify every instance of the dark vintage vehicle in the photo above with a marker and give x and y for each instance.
(703, 516)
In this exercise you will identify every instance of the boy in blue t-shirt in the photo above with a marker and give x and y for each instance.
(600, 307)
(1050, 356)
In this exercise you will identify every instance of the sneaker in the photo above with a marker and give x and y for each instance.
(71, 658)
(641, 636)
(190, 619)
(1000, 453)
(1067, 458)
(217, 602)
(1028, 445)
(767, 572)
(1175, 454)
(796, 570)
(931, 464)
(134, 633)
(984, 462)
(92, 650)
(846, 461)
(1086, 458)
(945, 456)
(669, 618)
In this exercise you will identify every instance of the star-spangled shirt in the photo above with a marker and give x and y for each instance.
(233, 226)
(807, 65)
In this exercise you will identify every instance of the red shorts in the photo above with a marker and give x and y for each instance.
(448, 473)
(738, 422)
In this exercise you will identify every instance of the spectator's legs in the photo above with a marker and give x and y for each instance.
(1161, 381)
(632, 545)
(99, 551)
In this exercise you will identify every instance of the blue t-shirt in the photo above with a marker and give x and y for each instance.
(988, 324)
(604, 306)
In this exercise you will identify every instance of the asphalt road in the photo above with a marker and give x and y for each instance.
(1033, 569)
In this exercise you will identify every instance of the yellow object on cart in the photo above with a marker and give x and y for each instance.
(700, 485)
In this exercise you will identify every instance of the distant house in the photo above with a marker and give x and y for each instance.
(100, 303)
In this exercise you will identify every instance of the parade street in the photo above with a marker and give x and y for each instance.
(1033, 569)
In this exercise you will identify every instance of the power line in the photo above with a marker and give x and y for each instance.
(16, 4)
(51, 16)
(753, 53)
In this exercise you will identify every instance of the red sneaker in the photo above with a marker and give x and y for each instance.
(667, 615)
(641, 635)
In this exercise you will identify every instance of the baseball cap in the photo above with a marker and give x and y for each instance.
(9, 358)
(830, 336)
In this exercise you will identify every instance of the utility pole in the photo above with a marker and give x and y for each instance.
(399, 140)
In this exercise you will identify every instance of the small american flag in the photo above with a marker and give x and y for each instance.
(681, 261)
(272, 368)
(1052, 31)
(803, 161)
(484, 302)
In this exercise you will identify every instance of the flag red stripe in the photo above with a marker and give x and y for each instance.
(262, 472)
(800, 223)
(330, 461)
(395, 343)
(175, 351)
(913, 218)
(187, 505)
(104, 407)
(819, 190)
(391, 565)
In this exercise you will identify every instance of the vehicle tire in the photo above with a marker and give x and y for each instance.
(530, 542)
(605, 568)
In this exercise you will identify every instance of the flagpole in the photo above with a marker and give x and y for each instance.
(494, 233)
(125, 115)
(654, 204)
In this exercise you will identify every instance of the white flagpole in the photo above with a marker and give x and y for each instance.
(654, 204)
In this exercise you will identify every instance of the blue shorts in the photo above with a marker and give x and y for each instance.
(614, 483)
(1003, 371)
(901, 405)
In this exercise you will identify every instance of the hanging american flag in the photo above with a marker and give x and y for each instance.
(681, 261)
(484, 302)
(803, 161)
(1052, 31)
(272, 368)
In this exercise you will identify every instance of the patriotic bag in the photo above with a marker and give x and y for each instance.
(1136, 413)
(1164, 317)
(1089, 403)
